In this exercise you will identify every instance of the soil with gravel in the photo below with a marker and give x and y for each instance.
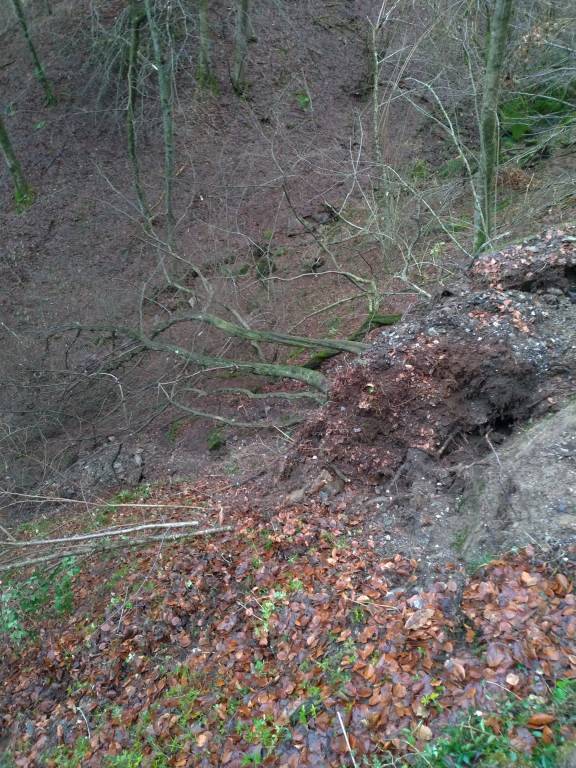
(435, 436)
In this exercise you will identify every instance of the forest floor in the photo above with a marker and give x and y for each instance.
(291, 629)
(288, 641)
(349, 604)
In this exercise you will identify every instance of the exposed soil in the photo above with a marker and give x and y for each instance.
(437, 398)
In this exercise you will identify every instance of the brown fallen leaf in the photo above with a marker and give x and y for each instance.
(562, 585)
(495, 723)
(528, 579)
(456, 669)
(419, 619)
(494, 656)
(512, 679)
(540, 719)
(523, 740)
(203, 738)
(423, 733)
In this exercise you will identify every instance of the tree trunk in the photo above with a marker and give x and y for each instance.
(205, 74)
(137, 16)
(489, 133)
(38, 68)
(241, 46)
(375, 71)
(165, 89)
(22, 192)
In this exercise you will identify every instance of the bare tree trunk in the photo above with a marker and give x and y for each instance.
(489, 133)
(241, 46)
(205, 74)
(165, 89)
(38, 68)
(375, 71)
(137, 17)
(22, 192)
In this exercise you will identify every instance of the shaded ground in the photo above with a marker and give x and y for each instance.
(78, 254)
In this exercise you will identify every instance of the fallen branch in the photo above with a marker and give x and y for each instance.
(274, 337)
(104, 548)
(373, 321)
(346, 739)
(289, 421)
(99, 535)
(110, 504)
(274, 370)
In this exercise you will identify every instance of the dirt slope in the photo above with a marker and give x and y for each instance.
(421, 419)
(331, 620)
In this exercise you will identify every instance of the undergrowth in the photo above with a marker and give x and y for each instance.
(48, 594)
(526, 733)
(487, 741)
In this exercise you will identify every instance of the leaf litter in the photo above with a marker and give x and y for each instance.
(288, 642)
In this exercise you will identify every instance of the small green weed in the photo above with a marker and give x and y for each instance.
(131, 758)
(267, 540)
(268, 608)
(215, 439)
(264, 732)
(185, 698)
(431, 699)
(309, 709)
(23, 198)
(460, 539)
(420, 170)
(253, 758)
(358, 615)
(476, 742)
(260, 666)
(37, 528)
(334, 665)
(132, 494)
(71, 756)
(175, 429)
(49, 592)
(304, 100)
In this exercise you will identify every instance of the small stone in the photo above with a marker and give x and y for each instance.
(296, 496)
(567, 521)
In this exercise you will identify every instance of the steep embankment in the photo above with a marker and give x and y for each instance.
(421, 421)
(294, 639)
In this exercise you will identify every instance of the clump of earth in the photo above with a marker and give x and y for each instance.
(455, 434)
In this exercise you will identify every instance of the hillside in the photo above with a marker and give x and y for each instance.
(289, 630)
(287, 411)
